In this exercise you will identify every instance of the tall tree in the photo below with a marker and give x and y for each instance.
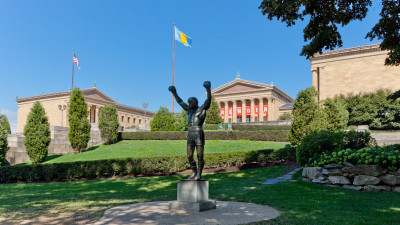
(79, 126)
(181, 121)
(37, 134)
(322, 32)
(308, 116)
(213, 114)
(5, 130)
(108, 124)
(333, 116)
(163, 120)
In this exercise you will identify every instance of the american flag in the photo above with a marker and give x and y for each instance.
(76, 61)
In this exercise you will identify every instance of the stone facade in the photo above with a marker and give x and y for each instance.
(259, 102)
(128, 116)
(353, 70)
(59, 143)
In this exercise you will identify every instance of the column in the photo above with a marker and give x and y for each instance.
(314, 77)
(253, 115)
(270, 109)
(261, 109)
(234, 106)
(243, 110)
(226, 117)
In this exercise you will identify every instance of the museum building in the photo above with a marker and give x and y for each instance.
(244, 101)
(56, 108)
(353, 70)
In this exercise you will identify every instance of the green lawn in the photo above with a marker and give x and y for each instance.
(300, 202)
(133, 149)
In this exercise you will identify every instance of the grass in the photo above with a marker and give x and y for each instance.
(133, 149)
(301, 202)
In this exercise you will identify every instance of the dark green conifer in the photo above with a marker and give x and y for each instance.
(79, 126)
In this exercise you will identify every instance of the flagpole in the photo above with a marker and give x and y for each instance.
(72, 86)
(173, 63)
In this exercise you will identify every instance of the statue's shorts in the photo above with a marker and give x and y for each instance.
(195, 136)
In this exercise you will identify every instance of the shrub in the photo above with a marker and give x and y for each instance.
(37, 134)
(268, 135)
(181, 121)
(248, 127)
(5, 130)
(285, 116)
(210, 126)
(308, 116)
(213, 113)
(334, 117)
(316, 143)
(163, 120)
(130, 166)
(388, 157)
(79, 126)
(108, 124)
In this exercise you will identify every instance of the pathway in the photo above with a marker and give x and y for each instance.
(284, 178)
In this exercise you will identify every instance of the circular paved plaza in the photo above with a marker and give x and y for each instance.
(158, 213)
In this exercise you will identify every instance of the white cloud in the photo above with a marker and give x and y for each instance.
(12, 118)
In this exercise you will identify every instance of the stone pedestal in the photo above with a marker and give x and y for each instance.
(192, 196)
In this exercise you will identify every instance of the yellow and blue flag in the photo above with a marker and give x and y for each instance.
(183, 38)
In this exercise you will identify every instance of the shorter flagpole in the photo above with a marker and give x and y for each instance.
(72, 86)
(173, 63)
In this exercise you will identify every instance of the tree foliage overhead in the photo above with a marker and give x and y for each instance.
(5, 130)
(108, 124)
(37, 134)
(213, 114)
(79, 126)
(325, 16)
(163, 120)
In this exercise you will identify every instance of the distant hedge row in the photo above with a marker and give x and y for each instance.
(248, 127)
(210, 126)
(132, 166)
(265, 135)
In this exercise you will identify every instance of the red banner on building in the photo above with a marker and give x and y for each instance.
(265, 109)
(256, 108)
(248, 110)
(230, 111)
(222, 113)
(239, 111)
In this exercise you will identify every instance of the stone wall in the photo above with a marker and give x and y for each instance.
(359, 178)
(59, 143)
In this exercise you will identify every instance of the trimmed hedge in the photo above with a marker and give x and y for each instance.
(266, 135)
(210, 126)
(248, 127)
(132, 166)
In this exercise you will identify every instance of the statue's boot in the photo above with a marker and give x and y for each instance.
(200, 170)
(194, 169)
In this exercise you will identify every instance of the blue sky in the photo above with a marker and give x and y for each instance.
(126, 48)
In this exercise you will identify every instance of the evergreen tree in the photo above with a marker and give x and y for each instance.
(79, 126)
(181, 121)
(108, 124)
(308, 116)
(333, 116)
(163, 120)
(37, 134)
(213, 113)
(5, 130)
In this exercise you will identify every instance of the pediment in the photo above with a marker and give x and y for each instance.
(239, 85)
(95, 94)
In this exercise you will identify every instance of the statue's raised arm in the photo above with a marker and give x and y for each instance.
(207, 103)
(172, 89)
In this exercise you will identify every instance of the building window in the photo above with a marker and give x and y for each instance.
(134, 120)
(122, 118)
(140, 121)
(122, 128)
(129, 119)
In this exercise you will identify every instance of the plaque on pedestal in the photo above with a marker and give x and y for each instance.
(192, 196)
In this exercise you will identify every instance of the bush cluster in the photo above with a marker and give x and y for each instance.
(388, 157)
(132, 166)
(328, 141)
(247, 127)
(267, 135)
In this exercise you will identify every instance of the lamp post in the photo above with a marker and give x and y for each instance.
(62, 108)
(145, 107)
